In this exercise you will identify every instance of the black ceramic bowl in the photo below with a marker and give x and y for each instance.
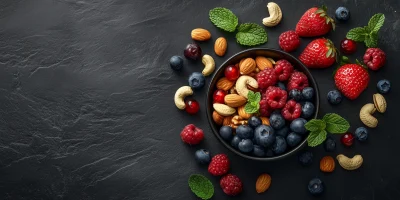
(254, 52)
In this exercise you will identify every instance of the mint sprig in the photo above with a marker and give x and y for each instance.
(331, 122)
(201, 186)
(253, 102)
(368, 34)
(251, 34)
(224, 19)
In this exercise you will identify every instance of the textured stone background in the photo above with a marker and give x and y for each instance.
(86, 109)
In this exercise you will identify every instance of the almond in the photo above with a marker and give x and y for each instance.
(234, 100)
(247, 66)
(265, 120)
(200, 34)
(263, 183)
(242, 113)
(220, 46)
(227, 121)
(327, 164)
(218, 119)
(225, 84)
(263, 63)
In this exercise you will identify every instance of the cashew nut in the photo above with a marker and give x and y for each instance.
(380, 102)
(223, 109)
(350, 163)
(275, 15)
(366, 115)
(241, 85)
(209, 65)
(180, 95)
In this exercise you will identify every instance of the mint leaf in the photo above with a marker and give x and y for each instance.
(251, 96)
(316, 138)
(249, 108)
(250, 34)
(315, 125)
(335, 123)
(201, 186)
(258, 97)
(376, 22)
(371, 40)
(357, 34)
(224, 19)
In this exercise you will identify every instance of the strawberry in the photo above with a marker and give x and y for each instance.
(320, 53)
(315, 22)
(351, 80)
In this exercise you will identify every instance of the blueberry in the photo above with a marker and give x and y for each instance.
(279, 145)
(196, 80)
(258, 151)
(297, 126)
(361, 134)
(307, 109)
(202, 156)
(269, 152)
(254, 121)
(306, 158)
(334, 97)
(342, 14)
(315, 186)
(176, 62)
(293, 139)
(383, 86)
(307, 93)
(329, 144)
(244, 132)
(282, 132)
(264, 135)
(295, 94)
(235, 141)
(281, 85)
(276, 121)
(226, 132)
(246, 145)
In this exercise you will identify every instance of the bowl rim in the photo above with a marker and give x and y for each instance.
(209, 112)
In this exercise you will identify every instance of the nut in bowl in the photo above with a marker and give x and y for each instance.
(260, 100)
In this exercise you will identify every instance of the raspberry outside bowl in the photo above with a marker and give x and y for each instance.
(254, 52)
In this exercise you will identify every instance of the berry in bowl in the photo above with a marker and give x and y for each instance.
(259, 101)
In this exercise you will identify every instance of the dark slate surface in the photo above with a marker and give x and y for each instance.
(87, 112)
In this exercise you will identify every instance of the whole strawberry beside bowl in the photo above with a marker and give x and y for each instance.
(351, 80)
(319, 53)
(315, 22)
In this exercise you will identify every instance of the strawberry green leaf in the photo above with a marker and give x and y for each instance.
(224, 19)
(201, 186)
(329, 53)
(316, 138)
(335, 123)
(357, 34)
(251, 34)
(376, 22)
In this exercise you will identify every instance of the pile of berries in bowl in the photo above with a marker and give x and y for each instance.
(259, 101)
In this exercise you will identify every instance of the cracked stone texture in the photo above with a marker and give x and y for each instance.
(86, 109)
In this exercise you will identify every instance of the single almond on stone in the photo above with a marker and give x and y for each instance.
(234, 100)
(263, 183)
(220, 46)
(242, 113)
(200, 34)
(218, 119)
(327, 164)
(247, 66)
(263, 63)
(225, 84)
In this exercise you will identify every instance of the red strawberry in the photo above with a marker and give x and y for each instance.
(315, 22)
(320, 53)
(351, 80)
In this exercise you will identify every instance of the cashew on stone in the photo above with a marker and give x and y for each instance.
(209, 65)
(180, 95)
(241, 85)
(350, 163)
(275, 15)
(366, 115)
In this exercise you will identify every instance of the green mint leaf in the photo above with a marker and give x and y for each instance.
(371, 40)
(224, 19)
(376, 22)
(258, 97)
(251, 96)
(316, 138)
(357, 34)
(315, 125)
(335, 123)
(249, 108)
(250, 34)
(201, 186)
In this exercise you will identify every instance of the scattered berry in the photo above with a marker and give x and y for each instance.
(258, 151)
(329, 144)
(246, 145)
(295, 94)
(281, 85)
(342, 14)
(348, 46)
(283, 69)
(307, 93)
(254, 121)
(202, 156)
(351, 80)
(279, 145)
(192, 135)
(292, 110)
(264, 135)
(347, 139)
(196, 80)
(226, 132)
(298, 80)
(276, 97)
(307, 109)
(232, 73)
(315, 186)
(192, 51)
(297, 126)
(306, 158)
(192, 106)
(383, 86)
(289, 41)
(235, 141)
(219, 96)
(361, 134)
(314, 22)
(266, 78)
(176, 62)
(319, 53)
(374, 58)
(265, 111)
(244, 132)
(231, 185)
(334, 97)
(219, 165)
(283, 131)
(276, 121)
(293, 139)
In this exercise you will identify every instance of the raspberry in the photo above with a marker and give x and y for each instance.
(276, 97)
(283, 69)
(289, 41)
(231, 185)
(264, 108)
(266, 78)
(292, 110)
(298, 80)
(219, 165)
(374, 58)
(192, 135)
